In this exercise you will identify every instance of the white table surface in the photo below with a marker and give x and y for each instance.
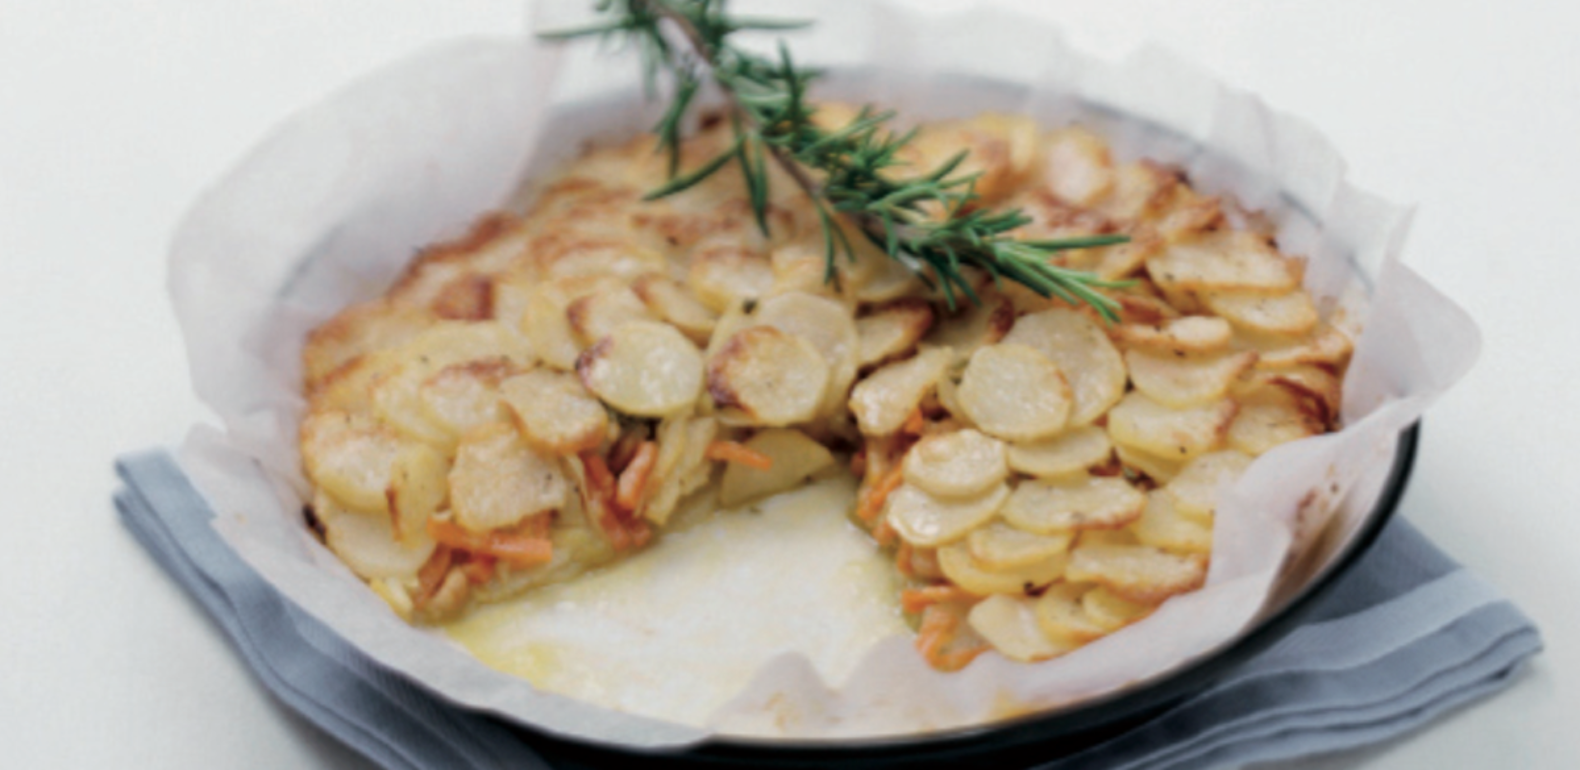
(114, 116)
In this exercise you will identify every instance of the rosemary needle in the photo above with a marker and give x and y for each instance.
(770, 116)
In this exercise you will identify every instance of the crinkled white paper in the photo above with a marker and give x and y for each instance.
(327, 211)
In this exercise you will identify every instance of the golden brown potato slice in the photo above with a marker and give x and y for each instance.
(367, 542)
(1138, 573)
(1182, 382)
(958, 464)
(973, 325)
(1009, 624)
(644, 368)
(892, 331)
(965, 571)
(1291, 313)
(1139, 188)
(925, 520)
(1062, 617)
(1162, 525)
(350, 456)
(1268, 417)
(554, 412)
(1082, 351)
(671, 302)
(722, 276)
(356, 331)
(462, 397)
(1159, 469)
(1072, 451)
(418, 488)
(596, 315)
(1225, 260)
(498, 479)
(548, 326)
(1015, 393)
(1323, 346)
(999, 547)
(1110, 611)
(397, 401)
(1201, 481)
(1003, 151)
(883, 400)
(1192, 334)
(795, 458)
(831, 328)
(1049, 506)
(772, 377)
(1179, 434)
(1316, 389)
(1078, 166)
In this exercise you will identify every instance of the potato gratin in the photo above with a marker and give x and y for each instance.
(536, 399)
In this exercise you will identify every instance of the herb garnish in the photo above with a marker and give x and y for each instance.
(926, 222)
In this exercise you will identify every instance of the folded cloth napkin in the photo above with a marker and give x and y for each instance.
(1405, 636)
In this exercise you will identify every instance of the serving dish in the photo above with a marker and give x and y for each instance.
(350, 214)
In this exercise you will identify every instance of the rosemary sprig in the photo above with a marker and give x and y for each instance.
(926, 222)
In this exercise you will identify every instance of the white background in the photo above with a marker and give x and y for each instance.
(114, 116)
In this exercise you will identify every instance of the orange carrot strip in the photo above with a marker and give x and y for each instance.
(479, 569)
(431, 576)
(915, 600)
(884, 534)
(633, 480)
(879, 494)
(938, 627)
(736, 452)
(518, 550)
(601, 486)
(915, 423)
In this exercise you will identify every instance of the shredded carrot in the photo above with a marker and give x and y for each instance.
(915, 600)
(937, 629)
(902, 561)
(601, 487)
(915, 423)
(519, 550)
(479, 569)
(598, 476)
(884, 533)
(633, 480)
(736, 452)
(872, 505)
(431, 576)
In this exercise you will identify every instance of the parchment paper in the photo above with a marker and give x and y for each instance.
(328, 209)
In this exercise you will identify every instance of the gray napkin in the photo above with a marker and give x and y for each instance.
(1404, 637)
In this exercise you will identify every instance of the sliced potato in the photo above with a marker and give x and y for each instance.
(549, 328)
(1162, 525)
(1325, 346)
(1316, 389)
(795, 457)
(1082, 351)
(594, 316)
(1181, 382)
(722, 276)
(1049, 506)
(1079, 168)
(674, 445)
(1062, 617)
(457, 342)
(1224, 260)
(892, 331)
(1159, 469)
(356, 331)
(554, 412)
(350, 457)
(958, 464)
(498, 480)
(1072, 451)
(1107, 537)
(1138, 573)
(1000, 547)
(1015, 393)
(1291, 313)
(397, 401)
(672, 303)
(1141, 423)
(831, 328)
(419, 486)
(973, 325)
(1009, 624)
(925, 520)
(884, 399)
(1268, 417)
(773, 377)
(367, 543)
(644, 368)
(1110, 611)
(965, 571)
(462, 397)
(1196, 489)
(1187, 335)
